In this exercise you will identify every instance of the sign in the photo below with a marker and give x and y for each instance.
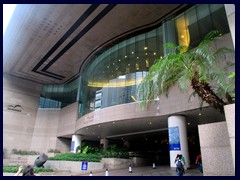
(84, 165)
(17, 108)
(174, 139)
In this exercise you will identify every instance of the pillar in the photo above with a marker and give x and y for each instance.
(104, 142)
(178, 144)
(76, 141)
(230, 11)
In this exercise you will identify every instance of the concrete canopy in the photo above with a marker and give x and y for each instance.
(49, 43)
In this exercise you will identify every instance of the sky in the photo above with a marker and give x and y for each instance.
(8, 10)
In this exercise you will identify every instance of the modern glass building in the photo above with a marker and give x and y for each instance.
(81, 86)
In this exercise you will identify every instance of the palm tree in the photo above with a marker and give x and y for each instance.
(202, 68)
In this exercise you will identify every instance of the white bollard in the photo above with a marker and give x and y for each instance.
(106, 172)
(154, 167)
(130, 169)
(90, 173)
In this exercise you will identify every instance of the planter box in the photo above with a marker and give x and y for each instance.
(15, 159)
(116, 163)
(73, 166)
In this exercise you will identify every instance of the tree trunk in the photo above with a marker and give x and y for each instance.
(205, 92)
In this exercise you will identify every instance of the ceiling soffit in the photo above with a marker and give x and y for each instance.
(50, 43)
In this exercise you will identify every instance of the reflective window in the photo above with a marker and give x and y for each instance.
(112, 77)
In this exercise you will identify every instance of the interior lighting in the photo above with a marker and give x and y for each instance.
(145, 53)
(145, 48)
(132, 52)
(150, 123)
(122, 77)
(119, 60)
(147, 63)
(137, 57)
(133, 98)
(137, 66)
(188, 123)
(199, 114)
(125, 56)
(154, 53)
(182, 36)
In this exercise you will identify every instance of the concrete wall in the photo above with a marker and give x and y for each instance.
(73, 166)
(67, 121)
(230, 11)
(116, 163)
(176, 102)
(45, 130)
(52, 123)
(230, 120)
(18, 127)
(215, 147)
(32, 128)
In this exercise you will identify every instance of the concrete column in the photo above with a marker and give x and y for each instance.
(230, 120)
(230, 11)
(76, 141)
(104, 142)
(178, 144)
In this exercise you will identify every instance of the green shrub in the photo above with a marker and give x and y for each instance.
(54, 151)
(114, 152)
(76, 157)
(23, 152)
(14, 169)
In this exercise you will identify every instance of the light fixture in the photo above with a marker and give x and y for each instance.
(133, 98)
(199, 114)
(137, 66)
(145, 48)
(150, 123)
(125, 56)
(132, 52)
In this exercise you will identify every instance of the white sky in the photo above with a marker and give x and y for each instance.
(7, 14)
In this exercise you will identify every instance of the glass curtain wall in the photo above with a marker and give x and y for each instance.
(58, 96)
(112, 77)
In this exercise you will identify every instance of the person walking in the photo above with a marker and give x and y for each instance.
(28, 171)
(185, 166)
(180, 165)
(199, 162)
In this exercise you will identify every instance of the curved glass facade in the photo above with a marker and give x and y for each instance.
(112, 77)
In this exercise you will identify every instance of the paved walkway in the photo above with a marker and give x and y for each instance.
(145, 171)
(136, 171)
